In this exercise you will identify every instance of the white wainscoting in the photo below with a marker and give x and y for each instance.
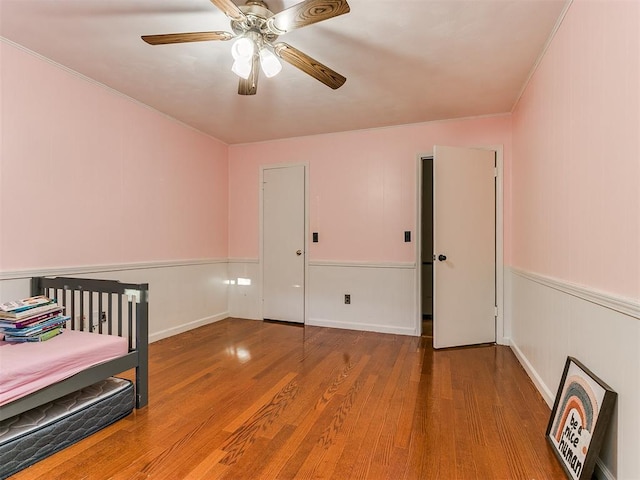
(245, 291)
(550, 320)
(182, 295)
(383, 297)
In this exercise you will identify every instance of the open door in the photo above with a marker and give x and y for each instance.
(283, 243)
(464, 304)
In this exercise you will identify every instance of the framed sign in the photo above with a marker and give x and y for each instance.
(579, 419)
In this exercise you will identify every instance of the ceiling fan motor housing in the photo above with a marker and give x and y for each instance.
(257, 15)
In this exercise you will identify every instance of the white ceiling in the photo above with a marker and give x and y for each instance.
(406, 61)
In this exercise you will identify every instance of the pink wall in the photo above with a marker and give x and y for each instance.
(576, 151)
(362, 185)
(90, 177)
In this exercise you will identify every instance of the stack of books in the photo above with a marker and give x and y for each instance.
(33, 319)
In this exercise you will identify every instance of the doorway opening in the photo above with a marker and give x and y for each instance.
(426, 247)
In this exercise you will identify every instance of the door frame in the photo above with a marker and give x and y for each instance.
(501, 335)
(306, 232)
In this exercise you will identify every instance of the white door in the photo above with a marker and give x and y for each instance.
(283, 243)
(464, 246)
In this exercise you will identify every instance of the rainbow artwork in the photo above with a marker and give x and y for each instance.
(576, 416)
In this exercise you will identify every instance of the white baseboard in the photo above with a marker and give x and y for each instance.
(548, 396)
(345, 264)
(365, 327)
(185, 327)
(602, 472)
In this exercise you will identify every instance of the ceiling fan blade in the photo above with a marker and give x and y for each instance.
(249, 86)
(306, 13)
(309, 65)
(186, 37)
(230, 9)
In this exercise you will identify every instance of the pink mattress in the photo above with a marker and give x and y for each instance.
(27, 367)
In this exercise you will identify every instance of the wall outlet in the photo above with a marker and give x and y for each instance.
(347, 299)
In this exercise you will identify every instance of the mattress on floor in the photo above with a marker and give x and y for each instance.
(44, 430)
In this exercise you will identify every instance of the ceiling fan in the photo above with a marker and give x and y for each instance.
(255, 29)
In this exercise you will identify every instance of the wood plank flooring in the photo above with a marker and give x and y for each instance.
(243, 399)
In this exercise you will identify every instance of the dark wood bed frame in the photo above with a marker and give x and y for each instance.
(122, 310)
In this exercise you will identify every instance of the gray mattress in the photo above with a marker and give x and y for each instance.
(42, 431)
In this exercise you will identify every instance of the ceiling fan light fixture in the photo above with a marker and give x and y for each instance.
(242, 48)
(242, 67)
(270, 64)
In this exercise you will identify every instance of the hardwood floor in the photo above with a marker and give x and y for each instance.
(243, 399)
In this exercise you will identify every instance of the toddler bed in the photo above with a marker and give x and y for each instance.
(56, 392)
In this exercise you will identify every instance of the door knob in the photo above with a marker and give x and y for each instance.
(442, 258)
(298, 252)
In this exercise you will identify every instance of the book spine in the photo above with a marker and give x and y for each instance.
(39, 318)
(25, 304)
(36, 338)
(28, 313)
(49, 334)
(37, 329)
